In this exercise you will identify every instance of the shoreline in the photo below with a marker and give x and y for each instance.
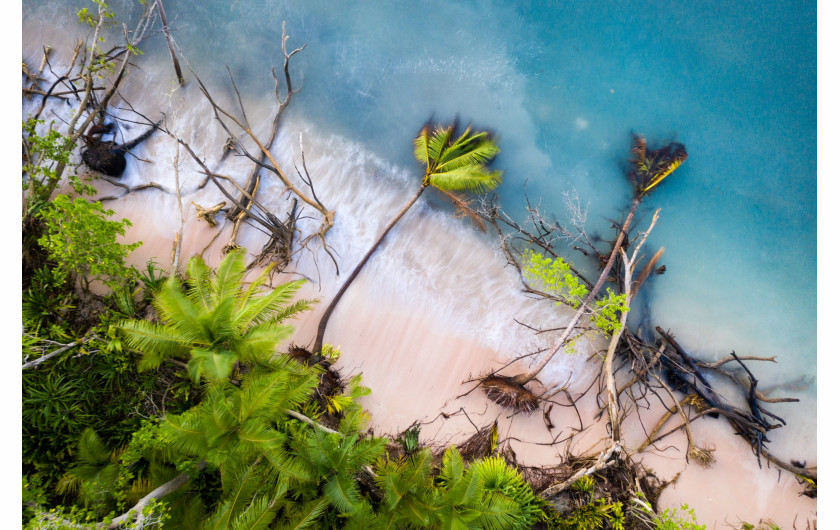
(394, 348)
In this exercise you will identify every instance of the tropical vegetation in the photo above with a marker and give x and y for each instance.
(453, 163)
(159, 398)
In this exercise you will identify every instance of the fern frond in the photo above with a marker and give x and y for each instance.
(342, 492)
(177, 311)
(305, 516)
(254, 287)
(268, 307)
(227, 282)
(198, 279)
(156, 342)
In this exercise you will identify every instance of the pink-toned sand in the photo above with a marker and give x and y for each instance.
(416, 367)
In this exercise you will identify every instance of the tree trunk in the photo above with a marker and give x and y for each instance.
(322, 325)
(170, 42)
(521, 379)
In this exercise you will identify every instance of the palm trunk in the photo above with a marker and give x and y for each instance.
(521, 379)
(322, 325)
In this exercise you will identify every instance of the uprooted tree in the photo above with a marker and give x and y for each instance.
(635, 368)
(350, 490)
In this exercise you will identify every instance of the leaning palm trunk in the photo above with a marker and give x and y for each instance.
(452, 164)
(322, 325)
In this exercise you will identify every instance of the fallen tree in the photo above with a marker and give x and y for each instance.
(634, 370)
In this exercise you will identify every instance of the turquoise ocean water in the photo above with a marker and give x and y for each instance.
(564, 84)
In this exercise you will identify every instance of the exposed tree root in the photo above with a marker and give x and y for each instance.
(514, 396)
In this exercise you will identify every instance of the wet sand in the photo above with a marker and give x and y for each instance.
(417, 328)
(416, 366)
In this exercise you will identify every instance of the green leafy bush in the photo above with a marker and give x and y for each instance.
(82, 242)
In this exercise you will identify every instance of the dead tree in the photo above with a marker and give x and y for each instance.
(635, 371)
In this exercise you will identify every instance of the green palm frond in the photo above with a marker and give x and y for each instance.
(472, 177)
(214, 364)
(455, 164)
(156, 342)
(270, 307)
(260, 341)
(505, 493)
(214, 321)
(407, 489)
(421, 146)
(436, 144)
(185, 433)
(366, 451)
(259, 514)
(261, 394)
(476, 149)
(254, 287)
(342, 492)
(227, 282)
(217, 325)
(305, 515)
(177, 311)
(199, 280)
(499, 512)
(364, 519)
(288, 467)
(240, 482)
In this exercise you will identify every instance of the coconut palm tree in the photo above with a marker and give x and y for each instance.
(453, 163)
(649, 169)
(216, 322)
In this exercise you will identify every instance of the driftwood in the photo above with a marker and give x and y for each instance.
(657, 370)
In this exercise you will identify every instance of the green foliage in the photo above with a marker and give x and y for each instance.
(670, 518)
(555, 277)
(43, 155)
(673, 519)
(457, 163)
(93, 476)
(410, 439)
(585, 484)
(215, 322)
(81, 241)
(594, 515)
(503, 484)
(610, 308)
(47, 299)
(85, 17)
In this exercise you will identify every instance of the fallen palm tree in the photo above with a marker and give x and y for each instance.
(649, 169)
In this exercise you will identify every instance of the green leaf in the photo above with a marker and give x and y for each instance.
(342, 492)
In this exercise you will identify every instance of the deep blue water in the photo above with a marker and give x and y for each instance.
(564, 85)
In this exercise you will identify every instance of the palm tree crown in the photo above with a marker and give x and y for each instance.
(216, 321)
(453, 163)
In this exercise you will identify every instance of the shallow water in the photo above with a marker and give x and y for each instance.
(563, 85)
